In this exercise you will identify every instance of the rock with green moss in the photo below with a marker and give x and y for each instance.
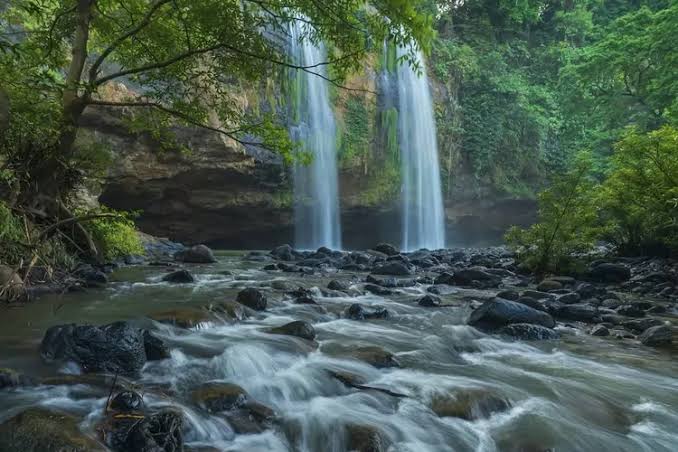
(182, 317)
(43, 430)
(364, 438)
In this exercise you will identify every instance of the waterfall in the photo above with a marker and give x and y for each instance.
(422, 203)
(315, 185)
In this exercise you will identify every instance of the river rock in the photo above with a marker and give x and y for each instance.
(469, 405)
(657, 336)
(579, 311)
(510, 295)
(11, 379)
(252, 298)
(537, 295)
(45, 430)
(387, 249)
(610, 273)
(529, 332)
(91, 277)
(639, 325)
(305, 299)
(339, 285)
(496, 313)
(253, 417)
(394, 268)
(298, 328)
(179, 277)
(378, 290)
(364, 438)
(469, 276)
(569, 298)
(230, 309)
(441, 289)
(631, 310)
(218, 396)
(283, 253)
(358, 312)
(182, 317)
(133, 430)
(534, 304)
(549, 284)
(429, 301)
(600, 330)
(126, 401)
(156, 349)
(445, 278)
(375, 356)
(586, 290)
(117, 348)
(199, 254)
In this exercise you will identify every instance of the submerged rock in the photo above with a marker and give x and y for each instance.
(117, 348)
(600, 330)
(378, 290)
(182, 317)
(429, 301)
(375, 356)
(230, 310)
(179, 277)
(496, 313)
(358, 312)
(199, 254)
(217, 396)
(298, 328)
(44, 430)
(155, 348)
(364, 438)
(469, 405)
(529, 332)
(252, 298)
(339, 285)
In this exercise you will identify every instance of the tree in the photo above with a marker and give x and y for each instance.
(181, 51)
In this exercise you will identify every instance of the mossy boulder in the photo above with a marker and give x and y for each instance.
(298, 328)
(364, 438)
(43, 430)
(375, 356)
(217, 396)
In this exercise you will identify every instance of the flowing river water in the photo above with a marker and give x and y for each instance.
(579, 393)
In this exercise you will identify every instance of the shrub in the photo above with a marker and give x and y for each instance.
(115, 236)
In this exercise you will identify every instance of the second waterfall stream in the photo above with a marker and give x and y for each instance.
(423, 224)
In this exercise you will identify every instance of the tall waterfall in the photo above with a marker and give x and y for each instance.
(422, 203)
(315, 185)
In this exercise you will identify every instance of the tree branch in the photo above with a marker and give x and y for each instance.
(143, 24)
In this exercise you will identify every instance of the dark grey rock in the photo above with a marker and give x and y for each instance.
(496, 313)
(529, 332)
(657, 336)
(252, 298)
(199, 254)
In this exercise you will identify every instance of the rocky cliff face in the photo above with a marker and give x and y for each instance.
(227, 196)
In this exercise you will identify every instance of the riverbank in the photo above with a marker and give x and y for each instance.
(332, 350)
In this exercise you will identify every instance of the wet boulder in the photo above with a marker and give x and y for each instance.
(476, 276)
(581, 312)
(393, 268)
(339, 285)
(230, 310)
(129, 428)
(42, 430)
(378, 290)
(11, 379)
(529, 332)
(511, 295)
(429, 301)
(469, 405)
(91, 277)
(252, 298)
(631, 310)
(125, 401)
(657, 336)
(639, 325)
(117, 348)
(600, 330)
(282, 284)
(305, 299)
(217, 396)
(610, 273)
(375, 356)
(496, 313)
(283, 253)
(298, 328)
(199, 254)
(549, 284)
(156, 349)
(364, 438)
(445, 278)
(179, 277)
(442, 289)
(358, 312)
(387, 249)
(569, 298)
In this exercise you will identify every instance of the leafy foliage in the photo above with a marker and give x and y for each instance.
(116, 236)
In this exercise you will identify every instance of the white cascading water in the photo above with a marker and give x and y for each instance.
(422, 202)
(315, 186)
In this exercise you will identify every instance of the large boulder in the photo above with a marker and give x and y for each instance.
(387, 249)
(496, 313)
(393, 268)
(429, 301)
(252, 298)
(657, 336)
(610, 273)
(117, 348)
(45, 430)
(529, 332)
(469, 405)
(581, 312)
(199, 254)
(283, 253)
(364, 438)
(298, 328)
(475, 276)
